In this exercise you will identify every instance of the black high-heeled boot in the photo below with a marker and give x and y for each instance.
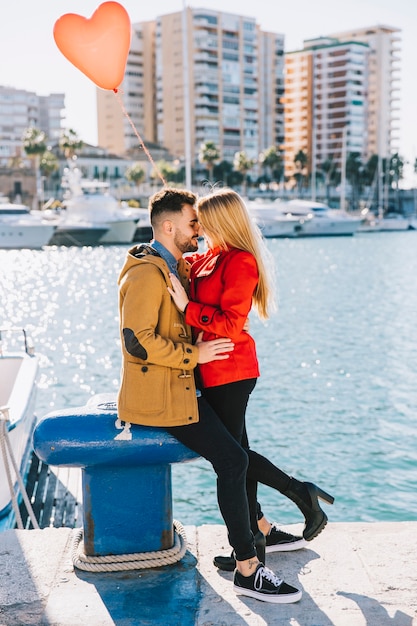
(228, 563)
(305, 496)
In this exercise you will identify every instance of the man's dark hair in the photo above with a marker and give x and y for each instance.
(169, 200)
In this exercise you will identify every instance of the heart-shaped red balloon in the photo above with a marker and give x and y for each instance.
(99, 45)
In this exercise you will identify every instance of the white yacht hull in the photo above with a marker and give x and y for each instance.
(327, 227)
(120, 231)
(18, 235)
(271, 222)
(386, 224)
(18, 377)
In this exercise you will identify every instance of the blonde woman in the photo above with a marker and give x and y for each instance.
(225, 283)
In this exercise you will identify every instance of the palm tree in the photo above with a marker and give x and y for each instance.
(209, 155)
(69, 143)
(354, 174)
(48, 165)
(271, 159)
(243, 164)
(135, 174)
(396, 169)
(300, 161)
(34, 144)
(328, 167)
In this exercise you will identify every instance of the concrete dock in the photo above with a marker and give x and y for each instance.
(353, 574)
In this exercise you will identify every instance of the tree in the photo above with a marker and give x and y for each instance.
(69, 143)
(48, 163)
(225, 173)
(330, 175)
(34, 144)
(135, 174)
(271, 159)
(209, 155)
(166, 169)
(354, 175)
(243, 164)
(300, 161)
(370, 171)
(396, 169)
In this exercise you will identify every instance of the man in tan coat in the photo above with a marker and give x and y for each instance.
(157, 381)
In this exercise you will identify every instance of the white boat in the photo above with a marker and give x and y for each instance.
(90, 200)
(143, 230)
(318, 219)
(71, 231)
(18, 385)
(22, 228)
(390, 222)
(271, 220)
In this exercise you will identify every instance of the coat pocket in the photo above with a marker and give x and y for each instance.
(145, 388)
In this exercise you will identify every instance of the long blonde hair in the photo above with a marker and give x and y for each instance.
(224, 216)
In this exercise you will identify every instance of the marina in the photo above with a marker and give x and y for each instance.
(338, 362)
(335, 402)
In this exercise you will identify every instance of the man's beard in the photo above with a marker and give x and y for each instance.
(185, 245)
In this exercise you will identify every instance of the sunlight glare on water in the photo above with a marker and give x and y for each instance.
(337, 399)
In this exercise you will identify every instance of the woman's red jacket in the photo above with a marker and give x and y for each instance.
(221, 290)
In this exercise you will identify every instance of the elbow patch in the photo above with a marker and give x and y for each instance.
(132, 345)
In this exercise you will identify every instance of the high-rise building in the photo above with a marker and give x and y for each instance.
(213, 76)
(341, 92)
(19, 110)
(136, 97)
(218, 73)
(271, 89)
(383, 86)
(325, 102)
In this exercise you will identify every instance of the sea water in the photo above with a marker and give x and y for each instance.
(336, 402)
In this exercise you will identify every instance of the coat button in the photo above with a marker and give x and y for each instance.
(188, 350)
(144, 368)
(205, 318)
(186, 360)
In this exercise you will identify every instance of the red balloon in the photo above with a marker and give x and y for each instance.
(99, 45)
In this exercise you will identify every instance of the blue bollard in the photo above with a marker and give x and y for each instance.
(126, 475)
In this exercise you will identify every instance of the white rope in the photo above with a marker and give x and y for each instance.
(6, 446)
(134, 561)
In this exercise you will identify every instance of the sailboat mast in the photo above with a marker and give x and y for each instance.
(343, 171)
(186, 97)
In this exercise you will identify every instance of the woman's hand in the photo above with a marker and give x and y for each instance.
(178, 293)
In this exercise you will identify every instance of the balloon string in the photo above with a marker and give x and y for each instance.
(148, 154)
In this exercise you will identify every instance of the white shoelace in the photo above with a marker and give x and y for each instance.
(274, 526)
(264, 572)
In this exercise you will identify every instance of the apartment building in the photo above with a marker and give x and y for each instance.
(20, 109)
(220, 79)
(341, 92)
(214, 76)
(325, 102)
(136, 97)
(383, 85)
(271, 89)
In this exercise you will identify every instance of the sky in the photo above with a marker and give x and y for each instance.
(30, 59)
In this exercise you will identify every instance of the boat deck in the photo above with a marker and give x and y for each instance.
(55, 494)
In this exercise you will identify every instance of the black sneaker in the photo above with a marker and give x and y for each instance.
(276, 541)
(279, 541)
(266, 586)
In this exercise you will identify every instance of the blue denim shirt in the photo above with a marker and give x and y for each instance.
(169, 258)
